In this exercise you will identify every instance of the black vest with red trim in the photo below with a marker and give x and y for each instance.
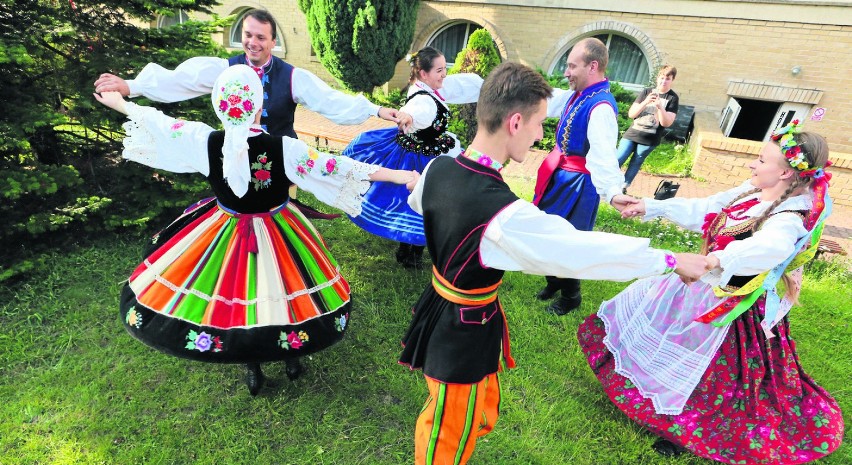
(451, 342)
(460, 197)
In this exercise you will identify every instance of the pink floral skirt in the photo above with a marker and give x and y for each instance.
(754, 404)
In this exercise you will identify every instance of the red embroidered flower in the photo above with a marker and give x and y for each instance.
(235, 113)
(293, 340)
(234, 99)
(330, 164)
(246, 87)
(262, 175)
(247, 105)
(301, 169)
(261, 159)
(223, 105)
(177, 125)
(310, 163)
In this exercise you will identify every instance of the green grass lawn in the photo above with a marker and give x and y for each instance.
(669, 158)
(77, 389)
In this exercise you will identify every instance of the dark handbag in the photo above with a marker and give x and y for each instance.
(666, 190)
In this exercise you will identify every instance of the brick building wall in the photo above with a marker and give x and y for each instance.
(715, 44)
(709, 52)
(725, 160)
(711, 42)
(293, 37)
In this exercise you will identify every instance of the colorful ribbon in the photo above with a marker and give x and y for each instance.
(767, 281)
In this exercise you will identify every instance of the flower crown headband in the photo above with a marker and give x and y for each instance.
(792, 151)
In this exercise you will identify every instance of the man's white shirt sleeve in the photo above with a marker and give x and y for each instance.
(601, 161)
(190, 79)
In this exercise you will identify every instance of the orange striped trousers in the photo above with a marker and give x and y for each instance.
(452, 418)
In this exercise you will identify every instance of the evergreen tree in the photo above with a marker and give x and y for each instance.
(479, 56)
(59, 149)
(360, 41)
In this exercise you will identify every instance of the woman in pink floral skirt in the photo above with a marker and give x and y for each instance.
(710, 367)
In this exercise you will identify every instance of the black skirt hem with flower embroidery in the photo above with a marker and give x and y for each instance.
(185, 339)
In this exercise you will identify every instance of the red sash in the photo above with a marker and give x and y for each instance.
(556, 160)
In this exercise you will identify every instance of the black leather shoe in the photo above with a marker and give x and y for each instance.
(667, 448)
(254, 378)
(563, 305)
(294, 369)
(411, 263)
(402, 252)
(546, 293)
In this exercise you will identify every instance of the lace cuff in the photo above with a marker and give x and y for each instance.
(139, 142)
(355, 185)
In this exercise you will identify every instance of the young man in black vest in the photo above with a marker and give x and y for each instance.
(475, 229)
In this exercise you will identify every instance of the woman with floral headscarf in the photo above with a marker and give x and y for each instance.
(710, 367)
(242, 277)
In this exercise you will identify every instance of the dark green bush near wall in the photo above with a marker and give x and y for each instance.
(63, 178)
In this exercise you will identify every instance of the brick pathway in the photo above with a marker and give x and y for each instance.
(318, 130)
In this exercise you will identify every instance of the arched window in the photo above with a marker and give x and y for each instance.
(452, 39)
(627, 64)
(236, 36)
(179, 17)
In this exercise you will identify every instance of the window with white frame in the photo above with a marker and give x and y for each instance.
(177, 17)
(628, 65)
(756, 109)
(756, 119)
(451, 39)
(236, 36)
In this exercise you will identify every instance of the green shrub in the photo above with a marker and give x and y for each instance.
(60, 150)
(480, 57)
(360, 41)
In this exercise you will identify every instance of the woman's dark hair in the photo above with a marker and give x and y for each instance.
(423, 60)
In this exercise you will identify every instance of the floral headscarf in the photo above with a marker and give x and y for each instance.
(237, 96)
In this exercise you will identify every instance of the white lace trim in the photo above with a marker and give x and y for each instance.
(355, 185)
(139, 142)
(290, 296)
(672, 366)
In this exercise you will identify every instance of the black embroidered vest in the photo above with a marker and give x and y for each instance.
(433, 140)
(268, 187)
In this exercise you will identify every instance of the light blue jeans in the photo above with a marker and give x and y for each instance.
(639, 151)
